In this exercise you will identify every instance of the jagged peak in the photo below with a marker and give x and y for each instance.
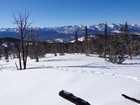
(68, 31)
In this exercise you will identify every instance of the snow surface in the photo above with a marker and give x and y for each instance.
(88, 77)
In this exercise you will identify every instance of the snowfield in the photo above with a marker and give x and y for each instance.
(88, 77)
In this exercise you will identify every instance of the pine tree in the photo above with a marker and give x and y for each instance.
(127, 40)
(76, 43)
(105, 40)
(86, 41)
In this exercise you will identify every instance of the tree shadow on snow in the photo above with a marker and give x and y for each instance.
(100, 67)
(131, 64)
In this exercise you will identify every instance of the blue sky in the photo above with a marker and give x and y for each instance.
(50, 13)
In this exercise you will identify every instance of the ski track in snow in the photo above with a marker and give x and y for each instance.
(106, 74)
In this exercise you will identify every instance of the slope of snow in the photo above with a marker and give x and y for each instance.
(91, 78)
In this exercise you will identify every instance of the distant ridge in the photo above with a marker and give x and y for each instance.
(67, 32)
(9, 40)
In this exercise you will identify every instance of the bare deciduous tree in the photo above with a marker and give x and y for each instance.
(21, 20)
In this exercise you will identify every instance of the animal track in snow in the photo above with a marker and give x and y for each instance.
(103, 73)
(93, 72)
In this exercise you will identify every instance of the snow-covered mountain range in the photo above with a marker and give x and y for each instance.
(67, 32)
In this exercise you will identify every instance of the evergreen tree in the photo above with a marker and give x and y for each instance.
(127, 40)
(105, 40)
(76, 43)
(86, 41)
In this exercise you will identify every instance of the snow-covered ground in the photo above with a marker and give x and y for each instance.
(89, 77)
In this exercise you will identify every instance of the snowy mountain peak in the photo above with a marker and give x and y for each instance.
(67, 32)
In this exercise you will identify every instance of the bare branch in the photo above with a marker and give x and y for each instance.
(16, 21)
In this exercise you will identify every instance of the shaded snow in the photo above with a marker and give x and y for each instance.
(91, 78)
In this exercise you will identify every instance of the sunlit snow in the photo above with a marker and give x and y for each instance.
(89, 77)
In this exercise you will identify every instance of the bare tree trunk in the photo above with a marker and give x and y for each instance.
(130, 52)
(19, 55)
(37, 59)
(16, 66)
